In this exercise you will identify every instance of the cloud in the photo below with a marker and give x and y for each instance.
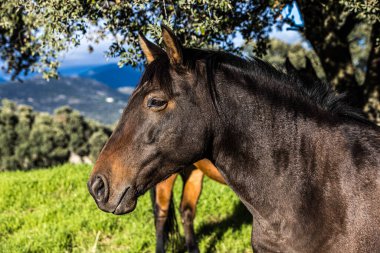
(80, 55)
(285, 35)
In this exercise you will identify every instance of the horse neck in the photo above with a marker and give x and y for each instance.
(262, 148)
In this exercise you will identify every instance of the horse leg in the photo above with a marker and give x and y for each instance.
(161, 211)
(192, 188)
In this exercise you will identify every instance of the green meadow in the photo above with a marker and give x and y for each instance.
(50, 210)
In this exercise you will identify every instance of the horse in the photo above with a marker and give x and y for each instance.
(304, 163)
(164, 213)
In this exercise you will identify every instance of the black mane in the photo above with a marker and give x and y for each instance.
(314, 94)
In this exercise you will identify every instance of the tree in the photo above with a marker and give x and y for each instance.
(86, 137)
(30, 139)
(96, 142)
(47, 144)
(331, 28)
(8, 121)
(75, 125)
(278, 52)
(32, 33)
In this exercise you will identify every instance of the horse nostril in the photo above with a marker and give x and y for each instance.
(99, 189)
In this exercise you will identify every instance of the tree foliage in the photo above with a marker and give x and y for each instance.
(278, 51)
(33, 33)
(29, 139)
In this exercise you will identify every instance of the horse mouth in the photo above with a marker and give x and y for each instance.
(127, 202)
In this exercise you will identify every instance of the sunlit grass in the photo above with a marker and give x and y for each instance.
(50, 210)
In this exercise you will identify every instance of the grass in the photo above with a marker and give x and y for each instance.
(50, 210)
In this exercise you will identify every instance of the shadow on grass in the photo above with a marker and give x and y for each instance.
(216, 229)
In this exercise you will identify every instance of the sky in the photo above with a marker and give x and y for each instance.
(80, 56)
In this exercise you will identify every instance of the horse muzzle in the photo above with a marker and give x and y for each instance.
(111, 203)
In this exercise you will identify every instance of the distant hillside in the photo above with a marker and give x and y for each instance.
(90, 97)
(123, 79)
(113, 76)
(75, 70)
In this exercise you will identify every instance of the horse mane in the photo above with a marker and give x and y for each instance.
(312, 93)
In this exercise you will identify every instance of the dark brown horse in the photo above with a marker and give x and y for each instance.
(164, 213)
(305, 164)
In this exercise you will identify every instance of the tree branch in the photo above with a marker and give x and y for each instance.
(349, 24)
(372, 79)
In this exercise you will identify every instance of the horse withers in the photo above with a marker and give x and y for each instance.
(304, 163)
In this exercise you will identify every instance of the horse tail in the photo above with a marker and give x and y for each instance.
(171, 230)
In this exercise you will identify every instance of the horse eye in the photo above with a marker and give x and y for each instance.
(156, 103)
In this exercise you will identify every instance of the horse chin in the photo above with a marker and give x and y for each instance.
(127, 203)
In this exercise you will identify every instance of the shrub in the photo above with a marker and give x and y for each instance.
(30, 139)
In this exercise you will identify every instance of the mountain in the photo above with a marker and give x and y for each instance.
(75, 70)
(98, 91)
(113, 76)
(123, 79)
(92, 98)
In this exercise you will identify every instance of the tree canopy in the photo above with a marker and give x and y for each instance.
(34, 33)
(30, 139)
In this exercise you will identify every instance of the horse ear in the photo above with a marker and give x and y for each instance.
(290, 69)
(310, 69)
(172, 45)
(150, 50)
